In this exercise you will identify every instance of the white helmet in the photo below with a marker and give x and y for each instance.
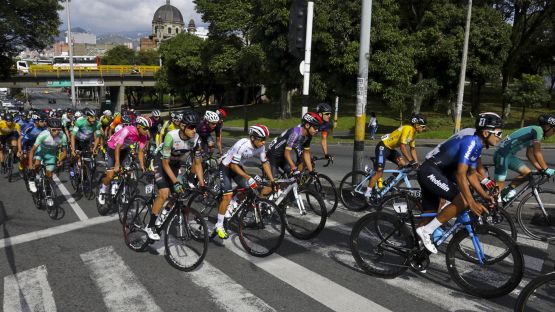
(78, 114)
(211, 116)
(156, 113)
(144, 121)
(259, 131)
(107, 113)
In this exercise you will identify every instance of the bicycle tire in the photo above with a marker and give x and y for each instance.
(532, 289)
(311, 223)
(135, 220)
(252, 231)
(86, 184)
(52, 210)
(103, 209)
(121, 205)
(325, 187)
(194, 234)
(352, 201)
(9, 166)
(376, 266)
(479, 289)
(536, 225)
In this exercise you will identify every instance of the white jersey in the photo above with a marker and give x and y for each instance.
(241, 151)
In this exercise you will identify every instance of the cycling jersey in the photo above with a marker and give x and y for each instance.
(504, 156)
(105, 121)
(48, 147)
(125, 137)
(402, 135)
(326, 126)
(25, 125)
(30, 136)
(115, 122)
(7, 130)
(288, 140)
(83, 130)
(176, 149)
(243, 150)
(166, 127)
(204, 130)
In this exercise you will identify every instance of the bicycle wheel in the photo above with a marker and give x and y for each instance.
(206, 205)
(261, 227)
(351, 190)
(380, 243)
(493, 278)
(186, 239)
(75, 179)
(324, 186)
(103, 209)
(212, 179)
(538, 223)
(135, 220)
(537, 295)
(86, 183)
(9, 165)
(123, 202)
(51, 206)
(308, 221)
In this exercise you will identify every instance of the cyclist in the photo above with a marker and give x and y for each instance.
(105, 121)
(324, 110)
(530, 138)
(172, 154)
(9, 133)
(45, 149)
(119, 148)
(169, 125)
(156, 126)
(124, 121)
(27, 139)
(298, 139)
(451, 169)
(231, 169)
(86, 130)
(386, 149)
(210, 123)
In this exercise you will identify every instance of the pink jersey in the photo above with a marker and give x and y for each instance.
(127, 136)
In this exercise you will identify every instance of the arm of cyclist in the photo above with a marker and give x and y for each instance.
(63, 156)
(464, 187)
(19, 146)
(219, 143)
(72, 139)
(31, 155)
(324, 143)
(197, 169)
(307, 160)
(289, 158)
(142, 157)
(474, 180)
(535, 155)
(405, 152)
(116, 157)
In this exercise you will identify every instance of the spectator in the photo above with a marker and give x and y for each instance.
(373, 125)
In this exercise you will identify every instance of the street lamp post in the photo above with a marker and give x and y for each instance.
(462, 77)
(70, 44)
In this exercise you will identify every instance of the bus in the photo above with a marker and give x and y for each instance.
(79, 62)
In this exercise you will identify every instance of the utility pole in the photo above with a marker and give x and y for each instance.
(307, 50)
(462, 76)
(362, 84)
(70, 44)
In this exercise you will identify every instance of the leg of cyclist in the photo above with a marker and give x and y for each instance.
(226, 176)
(382, 153)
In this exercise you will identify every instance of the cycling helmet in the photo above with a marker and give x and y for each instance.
(69, 111)
(107, 113)
(259, 131)
(174, 115)
(54, 123)
(418, 119)
(222, 113)
(125, 119)
(52, 113)
(156, 113)
(488, 120)
(78, 114)
(189, 118)
(144, 121)
(323, 108)
(546, 119)
(8, 118)
(89, 112)
(313, 119)
(212, 117)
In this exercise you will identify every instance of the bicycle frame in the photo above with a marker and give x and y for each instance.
(293, 186)
(401, 175)
(535, 186)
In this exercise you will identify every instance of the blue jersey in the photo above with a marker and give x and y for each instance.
(26, 125)
(463, 147)
(30, 135)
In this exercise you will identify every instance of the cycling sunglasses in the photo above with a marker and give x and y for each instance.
(497, 133)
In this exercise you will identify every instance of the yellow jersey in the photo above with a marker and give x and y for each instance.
(5, 130)
(402, 135)
(166, 127)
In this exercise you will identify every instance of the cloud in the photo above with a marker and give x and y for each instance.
(105, 16)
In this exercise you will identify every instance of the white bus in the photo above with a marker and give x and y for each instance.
(88, 62)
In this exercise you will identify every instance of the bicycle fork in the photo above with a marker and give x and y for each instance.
(540, 203)
(299, 200)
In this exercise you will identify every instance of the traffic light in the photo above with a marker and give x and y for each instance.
(297, 27)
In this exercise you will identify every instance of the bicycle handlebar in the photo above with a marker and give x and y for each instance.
(329, 160)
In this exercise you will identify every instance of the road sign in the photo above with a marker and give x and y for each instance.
(89, 82)
(58, 83)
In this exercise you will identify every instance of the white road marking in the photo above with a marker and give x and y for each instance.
(28, 237)
(74, 205)
(120, 288)
(28, 291)
(318, 287)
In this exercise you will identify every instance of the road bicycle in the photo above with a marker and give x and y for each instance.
(46, 195)
(118, 195)
(482, 259)
(9, 159)
(84, 170)
(352, 187)
(323, 185)
(184, 229)
(538, 295)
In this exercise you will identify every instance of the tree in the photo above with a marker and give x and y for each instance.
(150, 58)
(529, 91)
(119, 55)
(31, 24)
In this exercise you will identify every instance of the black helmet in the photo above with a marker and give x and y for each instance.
(89, 112)
(8, 117)
(54, 123)
(488, 121)
(546, 119)
(125, 119)
(418, 119)
(189, 117)
(323, 108)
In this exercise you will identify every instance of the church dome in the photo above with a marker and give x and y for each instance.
(168, 14)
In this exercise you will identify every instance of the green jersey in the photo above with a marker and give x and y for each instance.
(47, 144)
(84, 131)
(520, 139)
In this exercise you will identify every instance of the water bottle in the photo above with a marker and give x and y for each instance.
(231, 207)
(437, 234)
(380, 183)
(162, 217)
(114, 188)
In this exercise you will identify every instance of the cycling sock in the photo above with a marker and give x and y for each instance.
(220, 222)
(432, 226)
(152, 220)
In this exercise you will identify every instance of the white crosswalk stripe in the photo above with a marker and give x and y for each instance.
(120, 288)
(28, 291)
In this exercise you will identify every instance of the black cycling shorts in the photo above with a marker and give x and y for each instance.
(382, 153)
(14, 135)
(160, 176)
(111, 161)
(83, 146)
(435, 185)
(227, 176)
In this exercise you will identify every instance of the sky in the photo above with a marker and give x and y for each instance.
(111, 16)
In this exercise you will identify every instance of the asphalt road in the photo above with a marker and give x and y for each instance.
(39, 98)
(80, 263)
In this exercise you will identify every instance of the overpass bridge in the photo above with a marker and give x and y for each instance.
(114, 77)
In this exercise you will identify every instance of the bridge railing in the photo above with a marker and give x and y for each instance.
(102, 70)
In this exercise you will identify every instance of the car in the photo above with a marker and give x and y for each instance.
(51, 101)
